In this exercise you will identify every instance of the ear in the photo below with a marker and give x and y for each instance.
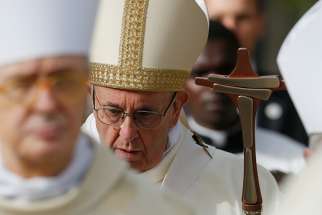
(187, 88)
(181, 99)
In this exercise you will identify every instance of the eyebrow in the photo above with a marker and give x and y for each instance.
(104, 104)
(18, 70)
(142, 108)
(62, 69)
(147, 108)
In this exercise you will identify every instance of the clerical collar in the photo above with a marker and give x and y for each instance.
(17, 188)
(217, 137)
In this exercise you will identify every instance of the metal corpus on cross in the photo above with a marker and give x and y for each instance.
(246, 89)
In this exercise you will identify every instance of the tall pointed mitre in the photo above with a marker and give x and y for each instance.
(147, 45)
(43, 28)
(300, 62)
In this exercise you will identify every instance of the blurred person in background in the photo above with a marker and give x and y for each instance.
(46, 165)
(215, 118)
(247, 19)
(244, 17)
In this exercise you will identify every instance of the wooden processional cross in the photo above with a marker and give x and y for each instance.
(246, 89)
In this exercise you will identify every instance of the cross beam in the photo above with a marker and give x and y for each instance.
(246, 89)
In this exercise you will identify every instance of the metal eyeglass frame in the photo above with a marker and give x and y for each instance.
(125, 114)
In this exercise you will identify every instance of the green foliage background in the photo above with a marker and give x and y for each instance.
(298, 6)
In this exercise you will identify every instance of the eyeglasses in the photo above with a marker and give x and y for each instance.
(110, 115)
(68, 87)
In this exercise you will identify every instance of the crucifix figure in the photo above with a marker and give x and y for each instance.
(246, 89)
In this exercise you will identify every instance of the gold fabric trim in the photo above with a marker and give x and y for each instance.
(129, 73)
(133, 31)
(145, 79)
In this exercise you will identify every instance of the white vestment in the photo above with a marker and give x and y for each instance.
(274, 151)
(107, 188)
(211, 180)
(303, 193)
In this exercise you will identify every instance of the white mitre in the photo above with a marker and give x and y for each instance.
(43, 28)
(147, 45)
(300, 62)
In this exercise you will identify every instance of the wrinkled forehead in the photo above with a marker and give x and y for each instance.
(217, 53)
(125, 97)
(44, 65)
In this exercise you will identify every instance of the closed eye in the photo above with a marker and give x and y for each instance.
(111, 111)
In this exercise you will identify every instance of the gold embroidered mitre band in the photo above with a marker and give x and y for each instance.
(147, 45)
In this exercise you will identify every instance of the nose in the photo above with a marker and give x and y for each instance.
(128, 129)
(43, 100)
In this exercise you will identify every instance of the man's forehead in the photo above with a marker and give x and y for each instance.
(114, 95)
(46, 65)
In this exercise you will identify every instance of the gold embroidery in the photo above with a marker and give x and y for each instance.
(147, 79)
(130, 74)
(133, 31)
